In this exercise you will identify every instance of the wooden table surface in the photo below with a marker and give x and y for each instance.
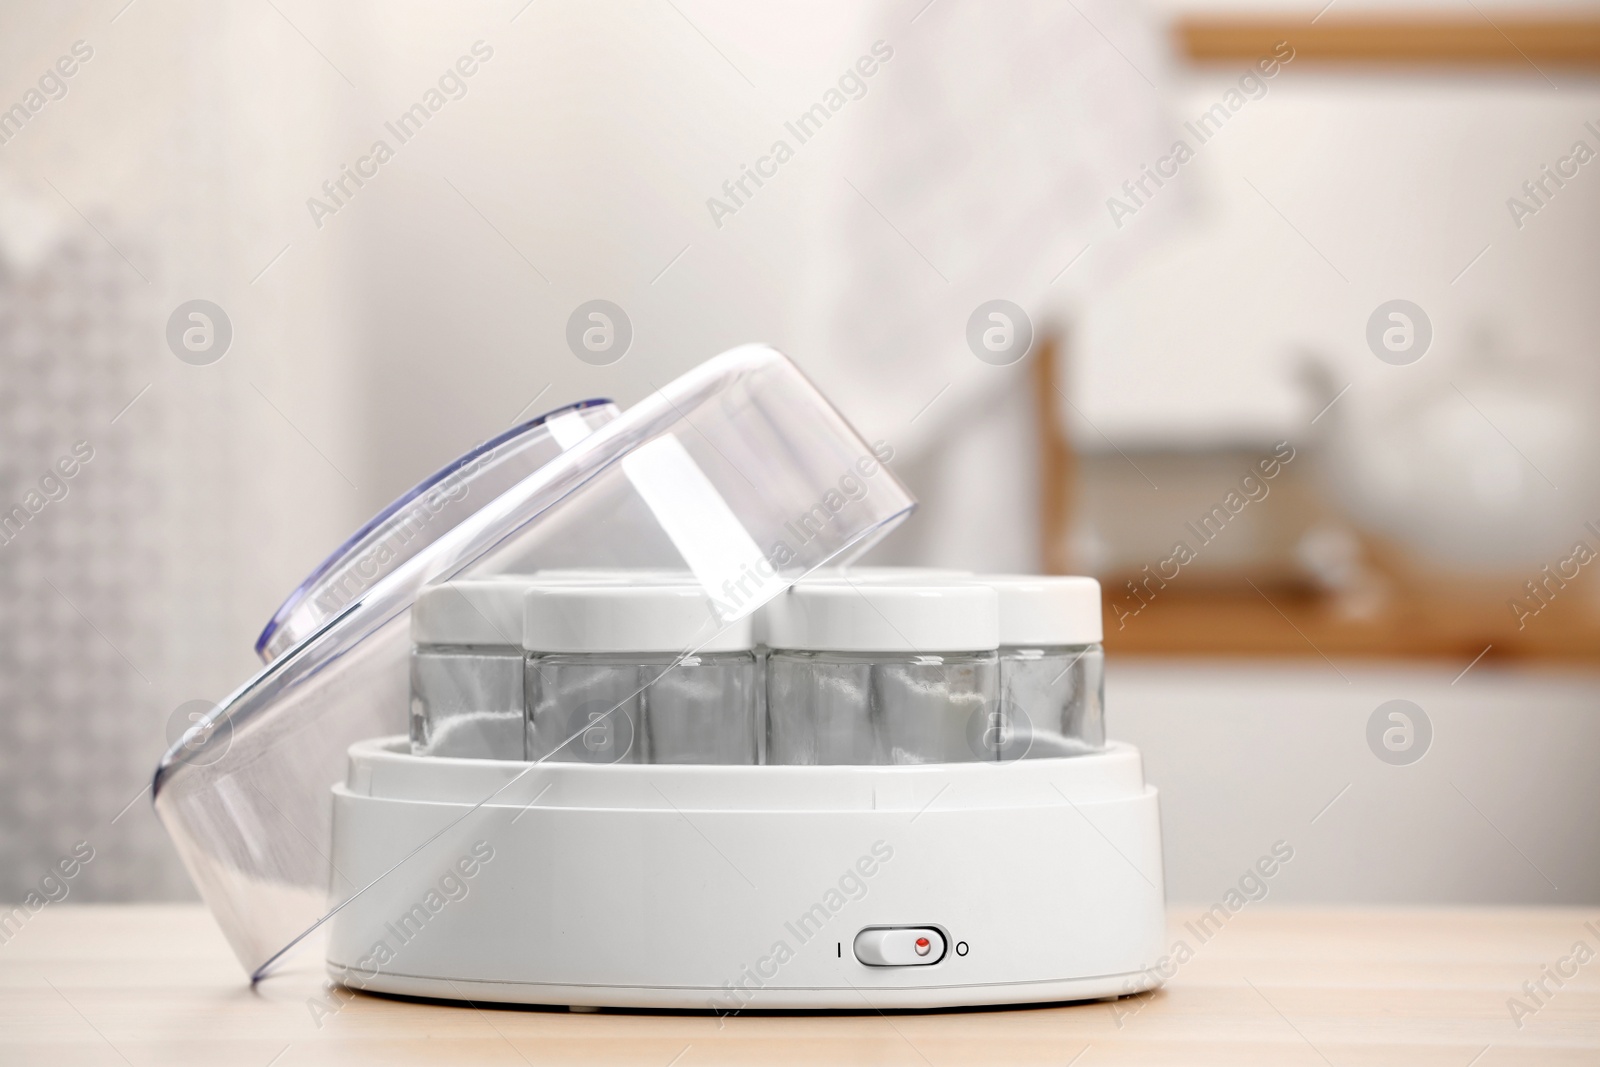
(156, 985)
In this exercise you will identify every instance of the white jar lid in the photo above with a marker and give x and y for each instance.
(616, 617)
(874, 575)
(1047, 610)
(841, 615)
(474, 611)
(931, 575)
(611, 575)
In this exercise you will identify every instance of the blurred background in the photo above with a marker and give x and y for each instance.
(1297, 356)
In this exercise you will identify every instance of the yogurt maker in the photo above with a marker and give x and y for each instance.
(604, 715)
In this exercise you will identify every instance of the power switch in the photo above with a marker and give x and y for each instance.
(899, 946)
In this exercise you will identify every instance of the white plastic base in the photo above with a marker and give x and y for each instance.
(734, 888)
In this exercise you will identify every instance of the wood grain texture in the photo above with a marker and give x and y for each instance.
(1057, 469)
(156, 985)
(1452, 627)
(1468, 39)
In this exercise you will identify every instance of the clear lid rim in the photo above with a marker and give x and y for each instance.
(355, 540)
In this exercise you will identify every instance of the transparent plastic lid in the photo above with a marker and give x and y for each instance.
(424, 513)
(739, 473)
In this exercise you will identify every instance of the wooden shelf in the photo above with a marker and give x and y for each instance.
(1290, 622)
(1244, 616)
(1412, 39)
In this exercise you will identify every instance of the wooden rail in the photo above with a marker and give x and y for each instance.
(1414, 40)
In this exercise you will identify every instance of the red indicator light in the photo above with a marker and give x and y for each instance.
(923, 946)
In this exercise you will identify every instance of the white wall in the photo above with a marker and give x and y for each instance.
(1394, 184)
(1248, 753)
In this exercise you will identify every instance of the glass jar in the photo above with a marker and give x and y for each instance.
(466, 670)
(630, 707)
(1052, 667)
(880, 672)
(608, 681)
